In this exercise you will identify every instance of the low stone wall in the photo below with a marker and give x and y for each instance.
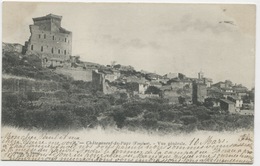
(19, 84)
(76, 74)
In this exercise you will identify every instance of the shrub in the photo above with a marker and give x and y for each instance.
(166, 115)
(10, 99)
(189, 128)
(66, 86)
(202, 113)
(132, 109)
(189, 119)
(34, 96)
(62, 95)
(149, 123)
(152, 90)
(208, 125)
(119, 116)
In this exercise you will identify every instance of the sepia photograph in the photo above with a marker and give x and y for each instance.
(128, 82)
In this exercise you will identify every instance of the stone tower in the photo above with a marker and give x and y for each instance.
(199, 92)
(49, 40)
(200, 75)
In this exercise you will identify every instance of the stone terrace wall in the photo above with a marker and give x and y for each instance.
(76, 74)
(20, 85)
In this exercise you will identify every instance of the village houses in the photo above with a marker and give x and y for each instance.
(53, 44)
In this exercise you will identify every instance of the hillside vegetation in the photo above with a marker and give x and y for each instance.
(76, 104)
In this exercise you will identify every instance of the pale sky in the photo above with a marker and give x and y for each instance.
(161, 38)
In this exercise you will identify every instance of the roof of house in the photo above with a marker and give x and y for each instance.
(217, 90)
(208, 79)
(177, 80)
(106, 71)
(235, 97)
(216, 84)
(247, 111)
(153, 75)
(227, 88)
(213, 88)
(227, 101)
(166, 87)
(136, 79)
(241, 90)
(155, 83)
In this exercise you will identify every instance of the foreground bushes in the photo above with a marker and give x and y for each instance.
(68, 110)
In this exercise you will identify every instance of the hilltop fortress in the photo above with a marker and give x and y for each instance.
(49, 40)
(53, 45)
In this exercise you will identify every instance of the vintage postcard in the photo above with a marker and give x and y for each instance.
(128, 82)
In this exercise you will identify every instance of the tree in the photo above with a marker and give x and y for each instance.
(132, 109)
(182, 100)
(202, 113)
(117, 66)
(123, 96)
(119, 117)
(152, 90)
(189, 119)
(113, 63)
(150, 119)
(34, 96)
(247, 99)
(10, 100)
(77, 59)
(66, 86)
(131, 86)
(209, 103)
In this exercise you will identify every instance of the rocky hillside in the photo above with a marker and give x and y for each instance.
(14, 47)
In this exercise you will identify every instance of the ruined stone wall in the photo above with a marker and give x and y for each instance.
(98, 81)
(8, 47)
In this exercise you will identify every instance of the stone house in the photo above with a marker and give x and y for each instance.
(218, 93)
(156, 84)
(109, 74)
(214, 101)
(219, 85)
(237, 100)
(142, 87)
(207, 81)
(227, 105)
(227, 90)
(240, 91)
(153, 76)
(171, 75)
(172, 93)
(177, 83)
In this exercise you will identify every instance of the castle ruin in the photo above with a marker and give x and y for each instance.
(49, 40)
